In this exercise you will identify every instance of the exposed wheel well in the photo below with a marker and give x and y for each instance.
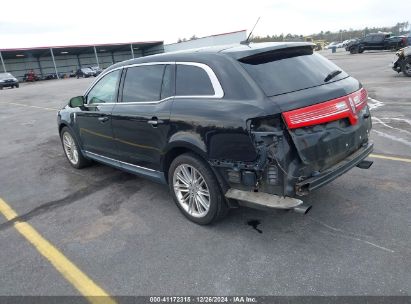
(175, 152)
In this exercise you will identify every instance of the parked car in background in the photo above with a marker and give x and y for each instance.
(52, 76)
(350, 43)
(346, 42)
(377, 41)
(332, 44)
(397, 42)
(259, 125)
(85, 73)
(7, 80)
(97, 70)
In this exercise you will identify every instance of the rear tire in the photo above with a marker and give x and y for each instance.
(72, 150)
(195, 190)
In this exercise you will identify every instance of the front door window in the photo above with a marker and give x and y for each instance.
(105, 91)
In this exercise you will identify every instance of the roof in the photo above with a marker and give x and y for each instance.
(75, 49)
(236, 51)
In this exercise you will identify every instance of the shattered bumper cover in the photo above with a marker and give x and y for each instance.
(328, 175)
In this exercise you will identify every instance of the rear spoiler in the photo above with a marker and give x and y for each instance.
(244, 51)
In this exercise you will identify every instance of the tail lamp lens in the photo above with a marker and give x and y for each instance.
(343, 107)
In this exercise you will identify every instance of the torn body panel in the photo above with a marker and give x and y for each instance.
(276, 167)
(293, 162)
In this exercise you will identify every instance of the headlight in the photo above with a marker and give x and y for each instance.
(15, 79)
(1, 81)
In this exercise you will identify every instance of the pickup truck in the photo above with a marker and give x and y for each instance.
(377, 41)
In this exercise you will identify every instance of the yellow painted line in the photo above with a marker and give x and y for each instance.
(67, 269)
(402, 159)
(28, 106)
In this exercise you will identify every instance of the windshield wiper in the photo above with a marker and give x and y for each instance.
(332, 75)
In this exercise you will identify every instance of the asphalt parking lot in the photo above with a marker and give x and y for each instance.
(126, 234)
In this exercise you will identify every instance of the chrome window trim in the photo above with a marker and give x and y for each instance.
(218, 90)
(116, 160)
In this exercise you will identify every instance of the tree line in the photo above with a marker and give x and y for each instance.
(399, 29)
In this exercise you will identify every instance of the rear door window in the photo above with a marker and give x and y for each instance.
(288, 70)
(143, 83)
(193, 81)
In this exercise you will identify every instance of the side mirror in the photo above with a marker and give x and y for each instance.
(76, 102)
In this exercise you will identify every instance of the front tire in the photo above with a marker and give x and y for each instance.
(195, 190)
(71, 149)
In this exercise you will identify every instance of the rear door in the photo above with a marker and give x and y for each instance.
(140, 119)
(94, 122)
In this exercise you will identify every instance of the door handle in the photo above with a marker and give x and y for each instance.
(154, 121)
(103, 119)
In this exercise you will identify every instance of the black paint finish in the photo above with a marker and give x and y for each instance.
(243, 130)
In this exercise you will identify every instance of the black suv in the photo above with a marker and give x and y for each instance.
(377, 41)
(258, 125)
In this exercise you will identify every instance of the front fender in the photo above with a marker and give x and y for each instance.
(66, 118)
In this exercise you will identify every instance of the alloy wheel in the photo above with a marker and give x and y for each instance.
(191, 190)
(70, 148)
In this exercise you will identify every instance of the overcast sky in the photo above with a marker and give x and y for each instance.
(46, 23)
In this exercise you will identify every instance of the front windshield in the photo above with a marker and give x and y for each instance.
(6, 76)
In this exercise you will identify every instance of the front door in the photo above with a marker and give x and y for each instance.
(94, 121)
(141, 117)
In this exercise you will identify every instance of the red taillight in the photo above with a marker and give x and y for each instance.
(335, 109)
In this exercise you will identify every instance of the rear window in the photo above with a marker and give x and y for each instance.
(193, 81)
(288, 70)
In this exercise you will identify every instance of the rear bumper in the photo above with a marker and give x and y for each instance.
(312, 183)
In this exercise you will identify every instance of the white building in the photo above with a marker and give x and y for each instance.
(213, 40)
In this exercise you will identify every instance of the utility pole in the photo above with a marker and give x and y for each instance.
(2, 63)
(95, 53)
(54, 62)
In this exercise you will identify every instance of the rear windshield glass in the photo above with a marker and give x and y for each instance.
(288, 70)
